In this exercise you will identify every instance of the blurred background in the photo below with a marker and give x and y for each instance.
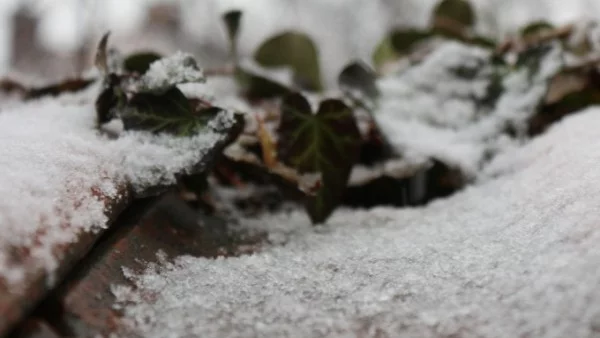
(47, 40)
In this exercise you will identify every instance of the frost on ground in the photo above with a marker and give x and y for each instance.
(57, 172)
(515, 256)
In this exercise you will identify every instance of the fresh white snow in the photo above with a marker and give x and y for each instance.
(427, 111)
(166, 72)
(55, 169)
(514, 256)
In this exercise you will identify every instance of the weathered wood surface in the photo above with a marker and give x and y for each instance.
(17, 300)
(83, 306)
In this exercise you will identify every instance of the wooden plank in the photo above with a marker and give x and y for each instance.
(17, 300)
(85, 301)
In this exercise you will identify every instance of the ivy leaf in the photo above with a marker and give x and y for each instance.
(326, 143)
(536, 27)
(232, 21)
(168, 112)
(109, 100)
(256, 87)
(384, 53)
(297, 51)
(453, 18)
(360, 77)
(140, 62)
(405, 40)
(101, 58)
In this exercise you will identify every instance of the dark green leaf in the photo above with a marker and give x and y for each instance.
(232, 21)
(109, 100)
(101, 59)
(169, 112)
(398, 43)
(532, 57)
(255, 87)
(384, 53)
(458, 12)
(482, 41)
(359, 76)
(404, 41)
(536, 27)
(297, 51)
(327, 142)
(140, 62)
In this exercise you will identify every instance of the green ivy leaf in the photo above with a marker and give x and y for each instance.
(297, 51)
(256, 87)
(398, 43)
(359, 76)
(453, 18)
(536, 27)
(140, 62)
(459, 11)
(101, 58)
(384, 53)
(168, 112)
(405, 40)
(232, 21)
(327, 143)
(109, 100)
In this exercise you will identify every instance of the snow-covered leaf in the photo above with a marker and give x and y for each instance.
(167, 72)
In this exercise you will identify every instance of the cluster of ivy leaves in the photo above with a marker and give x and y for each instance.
(314, 147)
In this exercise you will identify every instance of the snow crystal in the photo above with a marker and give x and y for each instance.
(516, 256)
(177, 68)
(53, 160)
(430, 111)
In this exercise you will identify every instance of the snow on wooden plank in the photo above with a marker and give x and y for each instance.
(62, 181)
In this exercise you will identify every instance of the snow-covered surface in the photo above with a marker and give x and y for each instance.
(429, 111)
(516, 256)
(55, 168)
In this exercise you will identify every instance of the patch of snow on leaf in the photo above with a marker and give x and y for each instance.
(54, 164)
(516, 256)
(437, 108)
(175, 69)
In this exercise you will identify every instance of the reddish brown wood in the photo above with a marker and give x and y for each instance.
(85, 301)
(17, 300)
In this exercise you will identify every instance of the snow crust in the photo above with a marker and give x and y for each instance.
(56, 170)
(515, 256)
(429, 111)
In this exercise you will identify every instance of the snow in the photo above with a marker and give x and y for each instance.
(54, 164)
(168, 71)
(428, 111)
(514, 256)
